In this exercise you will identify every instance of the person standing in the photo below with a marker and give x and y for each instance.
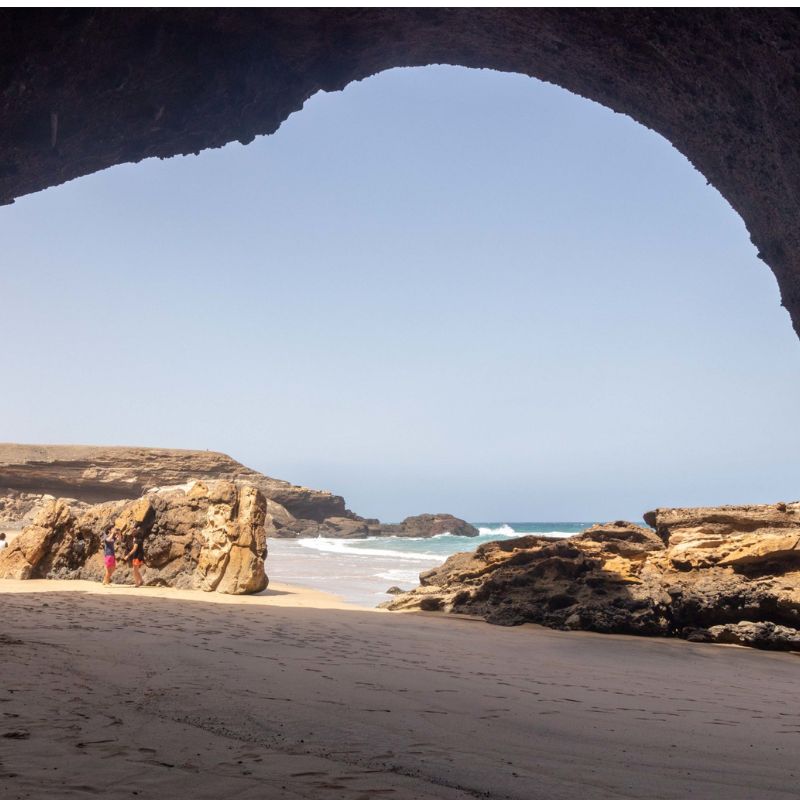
(109, 552)
(3, 542)
(136, 554)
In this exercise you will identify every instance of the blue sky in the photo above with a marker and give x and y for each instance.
(439, 290)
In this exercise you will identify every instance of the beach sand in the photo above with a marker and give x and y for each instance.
(157, 693)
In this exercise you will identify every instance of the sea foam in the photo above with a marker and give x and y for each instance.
(351, 548)
(503, 530)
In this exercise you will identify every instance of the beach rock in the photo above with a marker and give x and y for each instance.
(203, 535)
(16, 506)
(729, 535)
(277, 517)
(334, 527)
(427, 525)
(354, 527)
(344, 528)
(711, 574)
(764, 635)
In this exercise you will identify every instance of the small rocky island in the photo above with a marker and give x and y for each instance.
(729, 574)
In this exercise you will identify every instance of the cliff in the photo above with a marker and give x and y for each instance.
(95, 474)
(725, 574)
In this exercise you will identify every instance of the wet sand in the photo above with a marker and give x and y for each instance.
(156, 693)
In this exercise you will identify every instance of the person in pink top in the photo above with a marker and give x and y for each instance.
(109, 552)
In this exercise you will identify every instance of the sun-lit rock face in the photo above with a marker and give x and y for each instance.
(204, 535)
(727, 574)
(83, 89)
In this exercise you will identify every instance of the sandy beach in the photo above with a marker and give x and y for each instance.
(294, 694)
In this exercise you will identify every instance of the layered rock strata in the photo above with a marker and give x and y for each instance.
(203, 535)
(726, 574)
(96, 474)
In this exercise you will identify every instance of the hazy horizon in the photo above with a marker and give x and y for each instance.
(440, 290)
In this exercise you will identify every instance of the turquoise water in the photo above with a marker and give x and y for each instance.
(445, 544)
(360, 570)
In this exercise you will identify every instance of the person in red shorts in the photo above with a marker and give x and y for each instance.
(109, 552)
(136, 554)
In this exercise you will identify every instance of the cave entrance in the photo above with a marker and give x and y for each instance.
(456, 284)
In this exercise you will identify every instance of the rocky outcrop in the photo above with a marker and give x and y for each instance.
(203, 535)
(354, 527)
(19, 508)
(427, 525)
(96, 474)
(727, 574)
(333, 527)
(31, 475)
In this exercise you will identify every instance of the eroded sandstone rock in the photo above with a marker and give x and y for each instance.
(204, 535)
(711, 574)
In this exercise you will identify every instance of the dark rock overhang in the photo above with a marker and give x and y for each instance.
(84, 89)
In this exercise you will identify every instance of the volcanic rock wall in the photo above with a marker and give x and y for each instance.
(83, 89)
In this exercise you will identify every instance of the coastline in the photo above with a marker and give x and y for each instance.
(298, 695)
(354, 578)
(361, 569)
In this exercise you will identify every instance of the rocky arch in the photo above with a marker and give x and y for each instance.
(83, 89)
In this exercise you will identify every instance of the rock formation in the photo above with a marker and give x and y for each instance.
(31, 475)
(203, 535)
(95, 474)
(354, 527)
(83, 89)
(727, 574)
(426, 525)
(19, 508)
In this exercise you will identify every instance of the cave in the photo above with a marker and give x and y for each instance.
(85, 89)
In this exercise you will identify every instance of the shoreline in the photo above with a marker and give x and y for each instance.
(277, 594)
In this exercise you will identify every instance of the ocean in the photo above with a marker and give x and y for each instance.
(361, 570)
